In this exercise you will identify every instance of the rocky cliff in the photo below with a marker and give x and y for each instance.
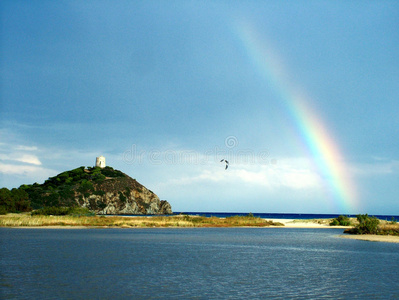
(104, 191)
(123, 196)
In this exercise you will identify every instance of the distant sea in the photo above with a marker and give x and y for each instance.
(303, 216)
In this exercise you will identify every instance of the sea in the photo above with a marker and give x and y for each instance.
(194, 263)
(295, 216)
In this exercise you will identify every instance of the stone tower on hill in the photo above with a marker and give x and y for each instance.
(100, 161)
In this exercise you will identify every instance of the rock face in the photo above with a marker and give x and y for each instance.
(123, 196)
(102, 190)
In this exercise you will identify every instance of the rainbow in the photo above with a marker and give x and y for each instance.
(323, 148)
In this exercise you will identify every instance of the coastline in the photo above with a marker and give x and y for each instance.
(291, 223)
(57, 222)
(306, 223)
(54, 222)
(371, 237)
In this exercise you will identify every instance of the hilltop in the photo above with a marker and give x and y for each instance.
(101, 190)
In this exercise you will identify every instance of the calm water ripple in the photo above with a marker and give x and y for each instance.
(212, 263)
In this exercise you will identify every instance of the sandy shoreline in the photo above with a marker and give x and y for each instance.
(371, 237)
(307, 223)
(292, 223)
(288, 223)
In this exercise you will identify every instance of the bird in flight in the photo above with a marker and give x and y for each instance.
(227, 163)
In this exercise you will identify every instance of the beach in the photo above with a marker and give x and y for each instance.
(324, 224)
(60, 222)
(306, 223)
(372, 237)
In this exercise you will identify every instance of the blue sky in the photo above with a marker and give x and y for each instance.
(166, 89)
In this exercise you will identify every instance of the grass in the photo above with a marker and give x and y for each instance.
(389, 229)
(26, 220)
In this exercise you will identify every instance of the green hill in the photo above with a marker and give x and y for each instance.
(102, 190)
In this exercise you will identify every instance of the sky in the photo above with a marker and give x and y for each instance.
(301, 97)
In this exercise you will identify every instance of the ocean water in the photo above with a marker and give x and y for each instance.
(197, 263)
(283, 215)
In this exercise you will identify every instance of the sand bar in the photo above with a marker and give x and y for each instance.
(372, 237)
(306, 223)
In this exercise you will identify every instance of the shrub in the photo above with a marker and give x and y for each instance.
(51, 200)
(110, 172)
(63, 211)
(80, 211)
(77, 171)
(99, 177)
(86, 187)
(55, 211)
(341, 221)
(101, 205)
(367, 225)
(66, 193)
(122, 197)
(99, 193)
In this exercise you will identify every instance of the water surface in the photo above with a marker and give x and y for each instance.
(198, 263)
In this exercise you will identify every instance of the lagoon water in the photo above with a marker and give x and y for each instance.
(198, 263)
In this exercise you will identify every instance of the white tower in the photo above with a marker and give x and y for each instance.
(100, 161)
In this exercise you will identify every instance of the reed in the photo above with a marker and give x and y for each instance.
(27, 220)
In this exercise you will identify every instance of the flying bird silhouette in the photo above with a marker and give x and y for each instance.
(227, 163)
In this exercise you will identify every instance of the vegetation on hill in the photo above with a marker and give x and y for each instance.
(57, 191)
(16, 200)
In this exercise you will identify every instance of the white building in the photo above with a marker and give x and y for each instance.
(100, 161)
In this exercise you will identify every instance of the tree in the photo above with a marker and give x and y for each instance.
(16, 200)
(21, 200)
(6, 203)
